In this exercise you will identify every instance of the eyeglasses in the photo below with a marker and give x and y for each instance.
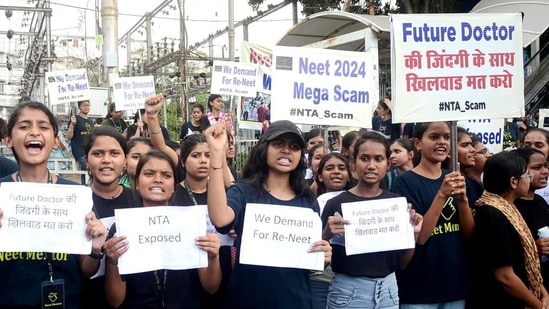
(529, 175)
(483, 152)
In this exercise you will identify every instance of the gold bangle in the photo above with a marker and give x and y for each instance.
(156, 132)
(216, 168)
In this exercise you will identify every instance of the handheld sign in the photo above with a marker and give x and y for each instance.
(456, 66)
(490, 132)
(324, 86)
(45, 218)
(131, 92)
(380, 225)
(164, 236)
(235, 78)
(279, 236)
(68, 86)
(543, 118)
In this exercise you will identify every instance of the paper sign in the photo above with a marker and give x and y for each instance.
(279, 236)
(235, 78)
(225, 239)
(107, 222)
(324, 86)
(164, 236)
(45, 218)
(543, 118)
(490, 132)
(380, 225)
(131, 92)
(68, 86)
(456, 66)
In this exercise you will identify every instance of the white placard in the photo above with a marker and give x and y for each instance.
(379, 225)
(324, 86)
(456, 66)
(225, 239)
(279, 236)
(45, 217)
(490, 132)
(107, 222)
(131, 92)
(235, 78)
(68, 86)
(164, 236)
(543, 118)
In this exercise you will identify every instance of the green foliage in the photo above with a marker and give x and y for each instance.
(174, 122)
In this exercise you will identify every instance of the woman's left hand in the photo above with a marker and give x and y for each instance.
(415, 219)
(322, 246)
(209, 243)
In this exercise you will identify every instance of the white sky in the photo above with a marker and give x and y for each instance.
(70, 17)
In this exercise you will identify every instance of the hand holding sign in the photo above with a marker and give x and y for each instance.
(322, 246)
(209, 243)
(336, 225)
(453, 184)
(115, 247)
(415, 219)
(1, 216)
(95, 231)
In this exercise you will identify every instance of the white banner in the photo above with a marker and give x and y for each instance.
(235, 78)
(68, 86)
(279, 236)
(456, 66)
(379, 225)
(164, 236)
(45, 217)
(131, 92)
(490, 132)
(543, 118)
(324, 86)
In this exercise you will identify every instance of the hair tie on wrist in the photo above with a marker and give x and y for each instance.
(216, 168)
(158, 132)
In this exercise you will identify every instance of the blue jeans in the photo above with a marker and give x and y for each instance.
(83, 167)
(363, 292)
(320, 293)
(459, 304)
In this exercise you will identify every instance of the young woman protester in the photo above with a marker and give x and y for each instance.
(198, 123)
(315, 154)
(402, 156)
(274, 174)
(365, 280)
(538, 138)
(32, 133)
(216, 114)
(105, 151)
(533, 208)
(192, 189)
(467, 159)
(473, 174)
(440, 258)
(159, 288)
(137, 147)
(506, 265)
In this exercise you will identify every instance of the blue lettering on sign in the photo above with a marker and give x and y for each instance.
(267, 81)
(427, 33)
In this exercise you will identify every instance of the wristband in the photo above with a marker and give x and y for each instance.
(99, 255)
(158, 132)
(216, 168)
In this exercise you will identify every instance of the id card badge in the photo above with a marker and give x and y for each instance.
(53, 294)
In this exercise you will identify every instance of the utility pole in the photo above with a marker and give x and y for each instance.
(109, 21)
(183, 60)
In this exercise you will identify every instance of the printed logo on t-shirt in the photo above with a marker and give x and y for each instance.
(32, 256)
(448, 211)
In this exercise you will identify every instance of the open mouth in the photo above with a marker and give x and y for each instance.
(156, 189)
(34, 146)
(284, 161)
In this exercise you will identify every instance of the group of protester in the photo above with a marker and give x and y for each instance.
(475, 229)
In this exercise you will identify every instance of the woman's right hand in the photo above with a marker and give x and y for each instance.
(115, 247)
(543, 246)
(453, 184)
(336, 224)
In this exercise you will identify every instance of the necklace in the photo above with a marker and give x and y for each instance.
(118, 192)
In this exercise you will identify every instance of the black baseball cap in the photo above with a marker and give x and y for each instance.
(281, 127)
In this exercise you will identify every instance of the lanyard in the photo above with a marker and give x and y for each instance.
(161, 288)
(190, 192)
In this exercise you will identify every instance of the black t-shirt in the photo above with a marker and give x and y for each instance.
(536, 215)
(7, 166)
(130, 131)
(474, 190)
(94, 290)
(182, 198)
(82, 128)
(495, 243)
(147, 290)
(372, 265)
(187, 129)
